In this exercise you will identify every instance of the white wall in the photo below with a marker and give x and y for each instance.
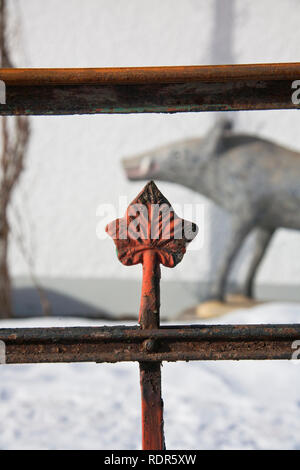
(74, 161)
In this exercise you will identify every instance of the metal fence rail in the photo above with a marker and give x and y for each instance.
(134, 90)
(149, 89)
(168, 343)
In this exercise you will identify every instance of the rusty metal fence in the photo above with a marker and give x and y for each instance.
(135, 90)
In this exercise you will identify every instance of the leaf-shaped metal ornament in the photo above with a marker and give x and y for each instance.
(151, 233)
(150, 223)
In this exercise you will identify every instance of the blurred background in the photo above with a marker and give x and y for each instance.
(58, 265)
(73, 162)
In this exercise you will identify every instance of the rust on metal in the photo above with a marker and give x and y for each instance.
(152, 406)
(149, 89)
(167, 343)
(151, 234)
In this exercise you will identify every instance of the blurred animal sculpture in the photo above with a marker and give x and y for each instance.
(254, 179)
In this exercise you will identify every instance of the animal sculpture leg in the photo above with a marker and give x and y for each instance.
(240, 230)
(262, 241)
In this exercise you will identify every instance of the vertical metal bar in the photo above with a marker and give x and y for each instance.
(150, 374)
(151, 237)
(152, 406)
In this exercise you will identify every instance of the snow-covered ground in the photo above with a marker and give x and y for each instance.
(208, 405)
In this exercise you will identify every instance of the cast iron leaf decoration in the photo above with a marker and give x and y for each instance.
(150, 223)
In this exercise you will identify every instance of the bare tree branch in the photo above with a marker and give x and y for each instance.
(14, 147)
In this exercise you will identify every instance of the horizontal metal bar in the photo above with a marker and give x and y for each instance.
(149, 75)
(168, 343)
(149, 90)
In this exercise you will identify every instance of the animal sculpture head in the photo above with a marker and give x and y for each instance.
(180, 162)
